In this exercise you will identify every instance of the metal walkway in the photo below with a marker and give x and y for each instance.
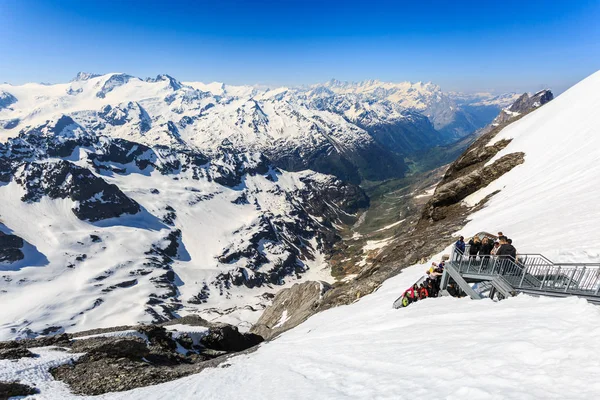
(529, 273)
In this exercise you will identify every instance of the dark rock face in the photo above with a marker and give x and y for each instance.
(15, 389)
(9, 123)
(10, 241)
(15, 353)
(133, 349)
(10, 248)
(158, 336)
(97, 200)
(227, 338)
(456, 190)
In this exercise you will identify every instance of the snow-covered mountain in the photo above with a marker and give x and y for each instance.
(98, 230)
(521, 347)
(355, 131)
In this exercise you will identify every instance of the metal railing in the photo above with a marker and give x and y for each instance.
(533, 272)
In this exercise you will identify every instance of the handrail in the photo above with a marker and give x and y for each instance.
(533, 272)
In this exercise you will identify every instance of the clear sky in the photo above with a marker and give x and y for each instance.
(461, 45)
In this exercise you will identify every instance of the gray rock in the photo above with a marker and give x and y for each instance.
(290, 308)
(15, 389)
(15, 353)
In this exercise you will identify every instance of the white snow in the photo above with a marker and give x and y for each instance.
(385, 228)
(283, 319)
(375, 244)
(427, 193)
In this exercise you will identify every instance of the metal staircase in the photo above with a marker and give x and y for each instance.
(529, 273)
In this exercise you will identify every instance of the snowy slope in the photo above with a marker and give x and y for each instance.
(441, 348)
(549, 203)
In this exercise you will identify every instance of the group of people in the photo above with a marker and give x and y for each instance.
(487, 247)
(429, 287)
(483, 249)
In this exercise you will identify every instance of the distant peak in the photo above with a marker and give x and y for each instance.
(174, 83)
(84, 76)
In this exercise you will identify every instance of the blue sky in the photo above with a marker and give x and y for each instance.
(461, 45)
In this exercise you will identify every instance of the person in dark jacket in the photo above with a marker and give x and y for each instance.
(506, 249)
(486, 250)
(474, 246)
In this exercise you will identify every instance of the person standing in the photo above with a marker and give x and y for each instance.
(495, 248)
(474, 246)
(460, 244)
(506, 248)
(486, 250)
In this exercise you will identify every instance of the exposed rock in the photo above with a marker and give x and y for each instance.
(97, 348)
(523, 105)
(158, 336)
(10, 248)
(95, 238)
(41, 341)
(453, 192)
(291, 307)
(15, 389)
(226, 337)
(192, 319)
(95, 198)
(10, 241)
(115, 364)
(15, 353)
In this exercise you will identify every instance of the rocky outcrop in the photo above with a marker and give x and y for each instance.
(140, 356)
(11, 248)
(225, 337)
(154, 356)
(15, 353)
(15, 389)
(290, 307)
(94, 198)
(455, 191)
(523, 105)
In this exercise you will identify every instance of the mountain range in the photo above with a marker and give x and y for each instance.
(355, 131)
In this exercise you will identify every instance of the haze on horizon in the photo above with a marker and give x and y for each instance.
(461, 46)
